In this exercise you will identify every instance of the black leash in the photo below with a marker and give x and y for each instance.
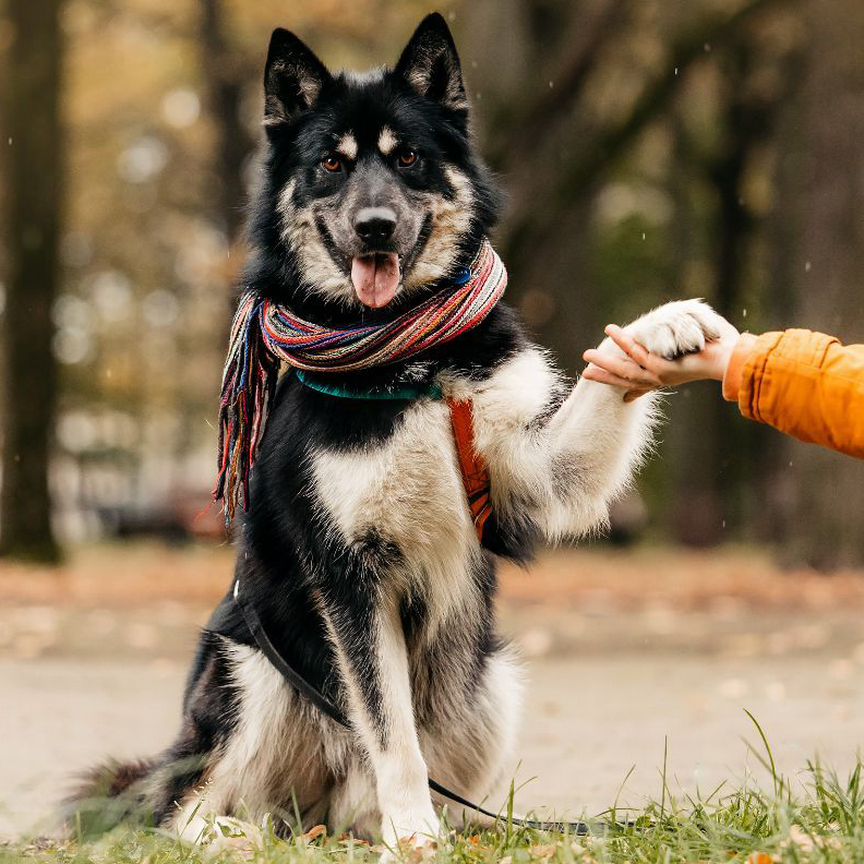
(323, 704)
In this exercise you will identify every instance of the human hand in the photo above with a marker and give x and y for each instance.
(639, 371)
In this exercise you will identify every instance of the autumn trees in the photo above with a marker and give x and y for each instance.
(34, 148)
(651, 150)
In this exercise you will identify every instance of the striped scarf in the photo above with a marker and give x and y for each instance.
(265, 334)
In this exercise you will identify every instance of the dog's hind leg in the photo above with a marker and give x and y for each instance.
(273, 760)
(354, 803)
(146, 792)
(469, 746)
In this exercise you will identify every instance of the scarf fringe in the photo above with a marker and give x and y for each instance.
(264, 334)
(248, 383)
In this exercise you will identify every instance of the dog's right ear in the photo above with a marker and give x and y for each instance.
(293, 78)
(430, 64)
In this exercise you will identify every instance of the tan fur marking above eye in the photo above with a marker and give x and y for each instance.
(347, 146)
(387, 141)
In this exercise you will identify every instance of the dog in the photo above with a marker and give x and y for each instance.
(359, 551)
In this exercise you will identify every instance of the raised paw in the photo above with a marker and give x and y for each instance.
(675, 329)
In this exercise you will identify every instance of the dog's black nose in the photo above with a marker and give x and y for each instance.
(375, 224)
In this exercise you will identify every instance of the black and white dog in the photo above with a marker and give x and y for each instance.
(359, 551)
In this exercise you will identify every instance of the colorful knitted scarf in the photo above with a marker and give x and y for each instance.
(265, 334)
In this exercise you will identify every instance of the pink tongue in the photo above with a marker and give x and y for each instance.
(375, 278)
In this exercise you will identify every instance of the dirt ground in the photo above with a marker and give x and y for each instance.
(625, 653)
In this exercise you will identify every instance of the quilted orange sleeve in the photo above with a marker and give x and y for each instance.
(805, 384)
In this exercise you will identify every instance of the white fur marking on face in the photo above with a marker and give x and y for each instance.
(451, 219)
(299, 232)
(347, 146)
(387, 141)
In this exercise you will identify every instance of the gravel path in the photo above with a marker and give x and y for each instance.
(624, 649)
(590, 718)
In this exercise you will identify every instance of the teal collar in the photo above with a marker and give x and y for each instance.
(406, 393)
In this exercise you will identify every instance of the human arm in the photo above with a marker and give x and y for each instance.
(805, 384)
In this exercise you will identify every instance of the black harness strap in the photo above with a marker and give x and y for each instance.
(291, 675)
(320, 701)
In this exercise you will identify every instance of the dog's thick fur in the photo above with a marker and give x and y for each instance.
(359, 551)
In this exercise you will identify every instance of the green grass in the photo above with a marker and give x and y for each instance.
(818, 818)
(822, 821)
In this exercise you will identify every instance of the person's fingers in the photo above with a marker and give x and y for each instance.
(628, 345)
(634, 394)
(623, 367)
(595, 373)
(638, 353)
(619, 366)
(610, 362)
(662, 372)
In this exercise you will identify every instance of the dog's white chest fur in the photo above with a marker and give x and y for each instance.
(406, 491)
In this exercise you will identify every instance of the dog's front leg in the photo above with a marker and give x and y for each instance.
(600, 435)
(373, 662)
(563, 470)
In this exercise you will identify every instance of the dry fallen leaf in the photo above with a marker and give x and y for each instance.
(801, 838)
(415, 851)
(314, 833)
(235, 836)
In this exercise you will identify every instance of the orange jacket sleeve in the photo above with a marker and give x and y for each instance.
(803, 383)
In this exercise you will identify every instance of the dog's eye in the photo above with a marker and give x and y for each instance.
(406, 158)
(331, 163)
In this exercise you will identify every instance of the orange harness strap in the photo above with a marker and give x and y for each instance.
(475, 475)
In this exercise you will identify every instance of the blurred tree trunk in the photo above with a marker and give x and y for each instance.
(223, 82)
(712, 458)
(223, 76)
(546, 41)
(719, 458)
(693, 514)
(828, 511)
(555, 167)
(34, 162)
(770, 490)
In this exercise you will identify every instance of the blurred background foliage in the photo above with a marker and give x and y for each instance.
(652, 150)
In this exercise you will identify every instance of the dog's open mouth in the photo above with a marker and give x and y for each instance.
(376, 278)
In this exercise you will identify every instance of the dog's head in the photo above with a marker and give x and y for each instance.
(371, 187)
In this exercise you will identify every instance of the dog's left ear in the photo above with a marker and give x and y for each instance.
(430, 64)
(293, 79)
